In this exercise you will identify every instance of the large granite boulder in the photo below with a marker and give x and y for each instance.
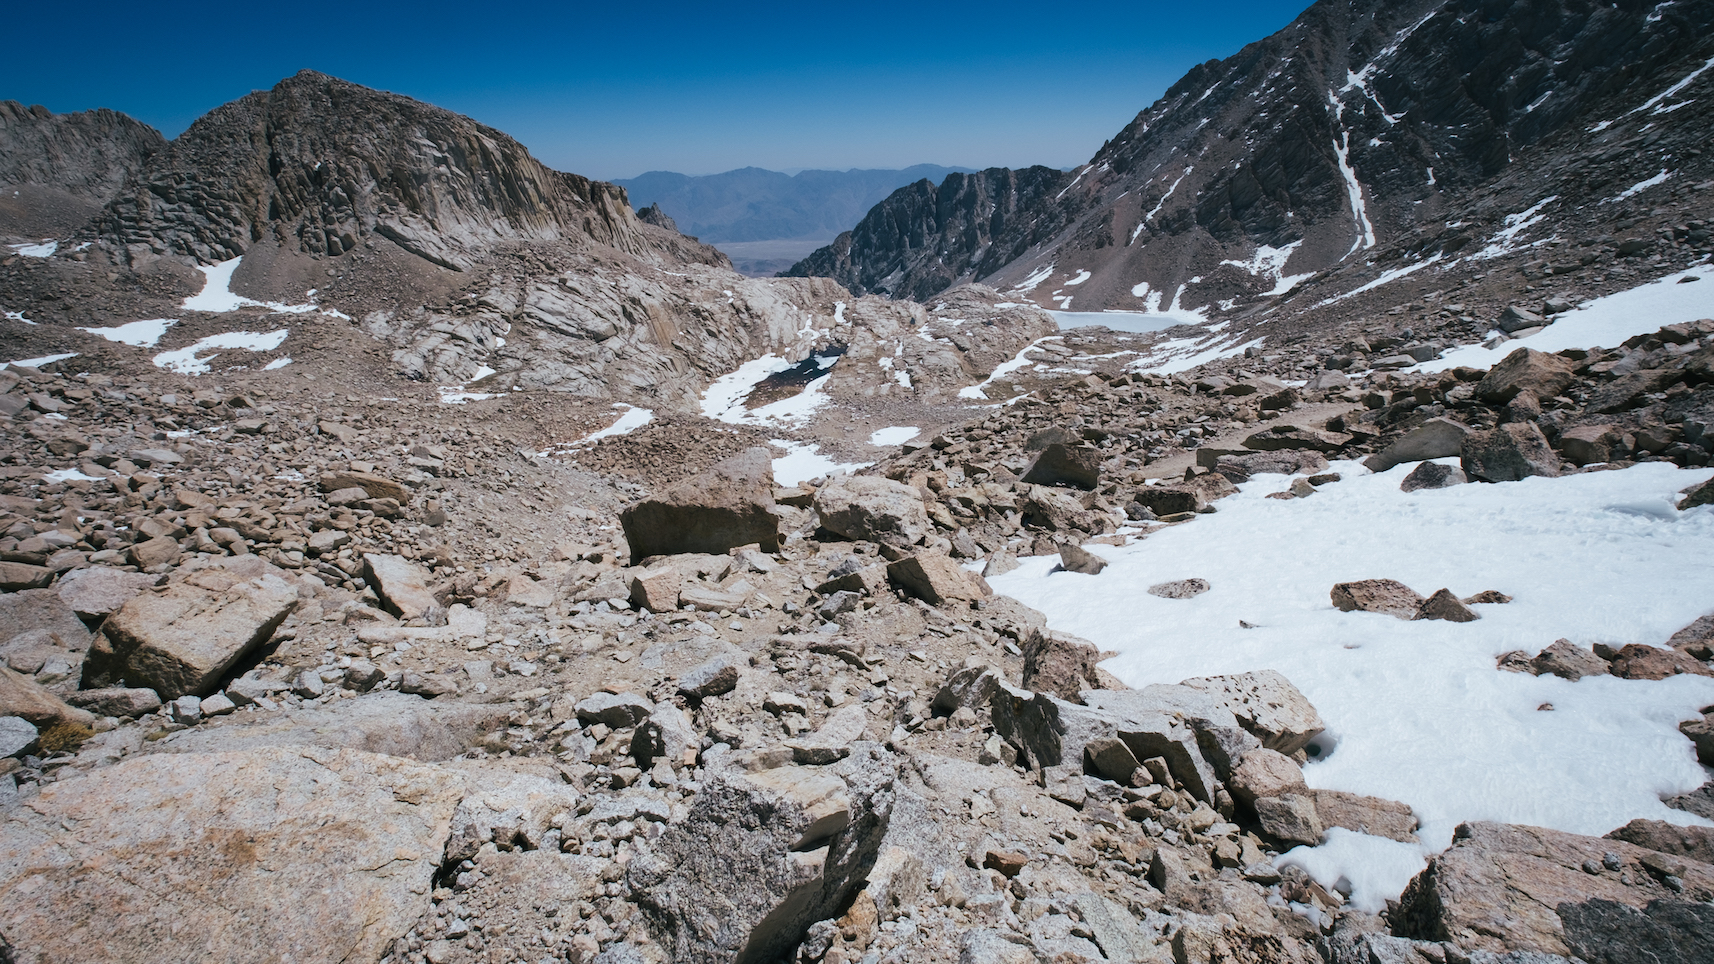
(873, 509)
(730, 505)
(183, 639)
(296, 854)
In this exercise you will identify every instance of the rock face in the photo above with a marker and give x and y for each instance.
(67, 164)
(1377, 596)
(1503, 887)
(1062, 464)
(873, 509)
(801, 838)
(1526, 370)
(961, 218)
(275, 165)
(1514, 451)
(303, 854)
(1208, 181)
(182, 640)
(728, 506)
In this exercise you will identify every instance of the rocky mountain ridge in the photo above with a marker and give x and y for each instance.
(58, 169)
(1360, 131)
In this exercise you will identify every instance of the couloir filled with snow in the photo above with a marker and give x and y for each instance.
(1417, 711)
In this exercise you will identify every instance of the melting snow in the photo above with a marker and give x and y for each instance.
(139, 334)
(39, 362)
(1169, 191)
(894, 435)
(277, 364)
(1505, 239)
(1417, 711)
(216, 295)
(44, 250)
(68, 475)
(1270, 262)
(804, 461)
(1035, 278)
(1353, 189)
(1082, 276)
(1603, 322)
(18, 316)
(1005, 368)
(1675, 88)
(1641, 186)
(630, 419)
(188, 360)
(1386, 276)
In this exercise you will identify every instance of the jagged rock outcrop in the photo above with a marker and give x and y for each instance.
(1360, 128)
(89, 154)
(922, 239)
(319, 165)
(60, 168)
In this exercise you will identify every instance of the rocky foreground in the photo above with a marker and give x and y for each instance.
(295, 677)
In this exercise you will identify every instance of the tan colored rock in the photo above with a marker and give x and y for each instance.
(1697, 639)
(1436, 438)
(1510, 453)
(1444, 605)
(99, 590)
(1568, 661)
(17, 576)
(1265, 773)
(934, 578)
(403, 587)
(296, 854)
(868, 580)
(1377, 596)
(1636, 661)
(730, 505)
(1526, 370)
(377, 486)
(656, 589)
(1075, 558)
(183, 639)
(24, 697)
(1505, 887)
(1696, 843)
(1290, 819)
(873, 509)
(1267, 705)
(1060, 664)
(161, 550)
(1371, 815)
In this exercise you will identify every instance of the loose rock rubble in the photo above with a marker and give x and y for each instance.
(805, 692)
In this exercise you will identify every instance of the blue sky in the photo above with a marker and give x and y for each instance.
(613, 90)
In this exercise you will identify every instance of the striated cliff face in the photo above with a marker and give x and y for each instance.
(923, 238)
(319, 165)
(1361, 125)
(59, 169)
(89, 154)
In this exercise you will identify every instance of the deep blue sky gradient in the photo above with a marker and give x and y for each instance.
(613, 90)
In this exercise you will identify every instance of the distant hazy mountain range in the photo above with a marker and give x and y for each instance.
(765, 220)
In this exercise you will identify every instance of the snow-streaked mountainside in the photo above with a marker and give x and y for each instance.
(1362, 132)
(389, 522)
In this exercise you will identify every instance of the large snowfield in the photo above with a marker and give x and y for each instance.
(1418, 711)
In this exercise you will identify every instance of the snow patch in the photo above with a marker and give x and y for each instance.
(1602, 323)
(803, 461)
(1506, 239)
(1641, 186)
(1270, 262)
(68, 475)
(39, 362)
(1082, 276)
(1386, 276)
(1035, 278)
(44, 250)
(190, 361)
(1419, 711)
(894, 435)
(138, 334)
(1018, 361)
(1164, 198)
(1353, 189)
(216, 295)
(630, 419)
(277, 364)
